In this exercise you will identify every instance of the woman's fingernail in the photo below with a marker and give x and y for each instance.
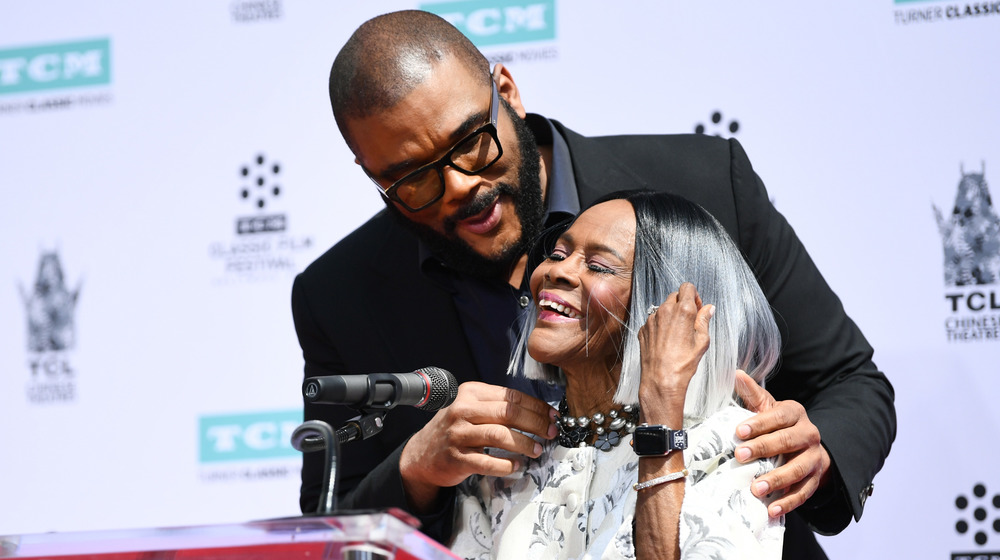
(538, 449)
(774, 510)
(743, 431)
(742, 454)
(760, 489)
(553, 430)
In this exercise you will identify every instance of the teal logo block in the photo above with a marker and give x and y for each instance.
(55, 66)
(499, 22)
(248, 437)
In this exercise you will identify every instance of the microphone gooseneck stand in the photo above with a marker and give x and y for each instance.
(317, 435)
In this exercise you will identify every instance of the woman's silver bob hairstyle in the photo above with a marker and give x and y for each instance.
(677, 241)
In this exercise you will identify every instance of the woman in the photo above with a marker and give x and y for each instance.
(619, 319)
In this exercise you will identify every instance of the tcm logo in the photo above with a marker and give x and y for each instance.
(242, 437)
(57, 66)
(499, 21)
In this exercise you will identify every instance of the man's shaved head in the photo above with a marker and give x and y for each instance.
(390, 55)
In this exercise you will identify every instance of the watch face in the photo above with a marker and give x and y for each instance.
(657, 440)
(650, 440)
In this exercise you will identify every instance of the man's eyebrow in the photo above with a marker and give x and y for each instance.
(399, 169)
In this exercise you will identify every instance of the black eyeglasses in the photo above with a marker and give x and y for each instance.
(473, 154)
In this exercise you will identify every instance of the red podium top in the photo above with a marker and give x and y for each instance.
(392, 534)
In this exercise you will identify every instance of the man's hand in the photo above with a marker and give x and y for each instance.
(450, 448)
(781, 428)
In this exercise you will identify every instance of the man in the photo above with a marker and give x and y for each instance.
(470, 179)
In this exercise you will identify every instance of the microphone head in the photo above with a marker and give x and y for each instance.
(444, 388)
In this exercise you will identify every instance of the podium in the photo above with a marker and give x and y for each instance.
(390, 535)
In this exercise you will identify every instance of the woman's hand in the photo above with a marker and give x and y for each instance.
(671, 345)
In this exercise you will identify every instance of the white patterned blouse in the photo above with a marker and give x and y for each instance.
(579, 503)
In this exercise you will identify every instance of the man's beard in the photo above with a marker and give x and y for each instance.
(528, 206)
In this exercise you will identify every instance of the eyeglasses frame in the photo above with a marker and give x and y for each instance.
(490, 127)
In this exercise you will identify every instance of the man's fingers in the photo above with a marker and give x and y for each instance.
(489, 465)
(489, 404)
(796, 481)
(776, 416)
(509, 415)
(796, 496)
(499, 437)
(799, 467)
(485, 392)
(754, 397)
(453, 444)
(780, 442)
(453, 465)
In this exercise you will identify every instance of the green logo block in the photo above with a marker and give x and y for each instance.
(499, 22)
(56, 66)
(248, 437)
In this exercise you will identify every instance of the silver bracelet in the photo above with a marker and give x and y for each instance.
(659, 480)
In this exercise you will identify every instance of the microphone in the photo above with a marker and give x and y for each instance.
(428, 388)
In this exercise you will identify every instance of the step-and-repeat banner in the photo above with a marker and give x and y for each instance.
(168, 167)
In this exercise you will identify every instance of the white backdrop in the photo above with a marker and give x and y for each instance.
(149, 372)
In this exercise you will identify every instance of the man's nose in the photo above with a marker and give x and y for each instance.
(458, 187)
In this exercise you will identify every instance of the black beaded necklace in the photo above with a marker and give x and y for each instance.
(577, 431)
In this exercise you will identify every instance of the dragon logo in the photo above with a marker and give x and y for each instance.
(50, 308)
(971, 235)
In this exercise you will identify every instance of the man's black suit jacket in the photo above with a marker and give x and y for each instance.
(365, 307)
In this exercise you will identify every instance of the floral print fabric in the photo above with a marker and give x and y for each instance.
(579, 503)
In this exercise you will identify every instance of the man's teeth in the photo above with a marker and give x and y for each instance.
(565, 310)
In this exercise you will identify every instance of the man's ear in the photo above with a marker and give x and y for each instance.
(508, 89)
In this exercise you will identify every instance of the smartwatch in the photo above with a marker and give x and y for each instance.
(656, 441)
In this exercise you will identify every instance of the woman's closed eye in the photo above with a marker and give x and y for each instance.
(593, 264)
(555, 256)
(600, 268)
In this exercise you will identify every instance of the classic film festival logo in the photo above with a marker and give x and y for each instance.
(970, 235)
(978, 520)
(262, 246)
(41, 78)
(50, 307)
(500, 27)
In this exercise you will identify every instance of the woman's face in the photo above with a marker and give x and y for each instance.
(582, 289)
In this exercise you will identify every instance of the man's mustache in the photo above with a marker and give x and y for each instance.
(478, 204)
